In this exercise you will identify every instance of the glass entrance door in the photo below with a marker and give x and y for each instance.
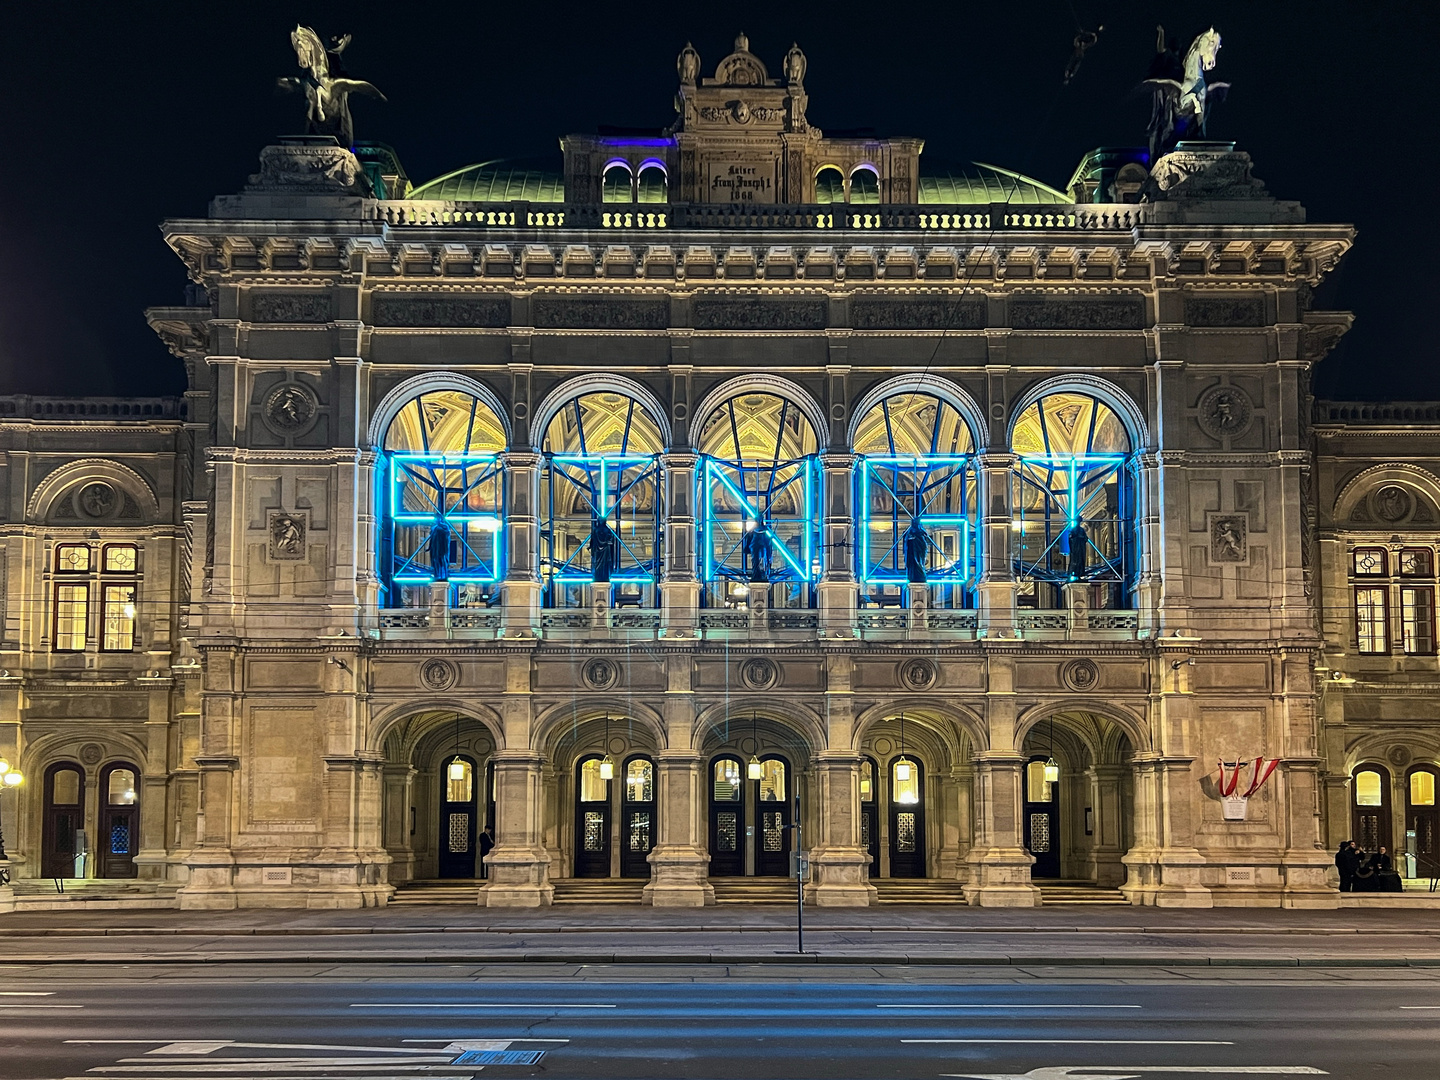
(1370, 816)
(869, 815)
(1422, 819)
(592, 820)
(1041, 823)
(727, 817)
(772, 851)
(457, 818)
(907, 819)
(64, 818)
(120, 821)
(638, 817)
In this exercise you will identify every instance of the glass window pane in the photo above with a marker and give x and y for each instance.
(1037, 788)
(459, 780)
(727, 780)
(594, 838)
(905, 832)
(120, 559)
(1416, 562)
(905, 789)
(772, 828)
(120, 791)
(1368, 789)
(867, 782)
(1370, 562)
(72, 558)
(727, 831)
(592, 787)
(772, 781)
(72, 615)
(1422, 789)
(1417, 620)
(639, 781)
(616, 185)
(119, 615)
(1370, 633)
(639, 831)
(66, 788)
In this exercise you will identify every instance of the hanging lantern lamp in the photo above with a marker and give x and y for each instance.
(754, 769)
(607, 764)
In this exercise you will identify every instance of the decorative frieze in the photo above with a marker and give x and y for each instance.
(1225, 310)
(1077, 313)
(426, 311)
(597, 313)
(918, 314)
(750, 313)
(290, 307)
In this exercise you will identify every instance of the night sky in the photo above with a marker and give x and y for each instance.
(117, 116)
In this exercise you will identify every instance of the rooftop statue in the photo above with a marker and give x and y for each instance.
(1182, 99)
(327, 94)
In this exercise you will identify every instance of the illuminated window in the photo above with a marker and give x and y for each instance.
(443, 497)
(726, 781)
(905, 789)
(830, 185)
(616, 186)
(1037, 788)
(118, 613)
(864, 186)
(639, 781)
(121, 788)
(65, 789)
(1073, 498)
(867, 781)
(600, 494)
(459, 780)
(1370, 562)
(1370, 621)
(72, 558)
(758, 502)
(593, 787)
(1417, 619)
(772, 780)
(918, 494)
(1368, 790)
(120, 559)
(1417, 562)
(1422, 788)
(652, 186)
(72, 617)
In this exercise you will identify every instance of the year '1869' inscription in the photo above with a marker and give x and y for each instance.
(742, 182)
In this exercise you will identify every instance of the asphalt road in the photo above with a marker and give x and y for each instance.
(657, 1023)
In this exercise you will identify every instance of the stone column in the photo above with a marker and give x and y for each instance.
(998, 862)
(995, 587)
(1163, 864)
(519, 865)
(839, 864)
(679, 587)
(399, 787)
(1106, 847)
(520, 592)
(679, 862)
(838, 589)
(152, 858)
(955, 820)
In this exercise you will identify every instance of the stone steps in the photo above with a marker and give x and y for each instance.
(96, 894)
(753, 890)
(450, 891)
(1056, 893)
(598, 891)
(917, 891)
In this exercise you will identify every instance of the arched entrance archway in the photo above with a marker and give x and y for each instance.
(606, 816)
(754, 768)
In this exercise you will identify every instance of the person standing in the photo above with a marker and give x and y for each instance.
(1347, 861)
(486, 844)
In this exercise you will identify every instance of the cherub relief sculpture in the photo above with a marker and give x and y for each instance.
(326, 87)
(1181, 97)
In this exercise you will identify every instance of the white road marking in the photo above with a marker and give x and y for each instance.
(488, 1044)
(1082, 1042)
(1009, 1006)
(1420, 1006)
(7, 1005)
(468, 1005)
(191, 1046)
(271, 1065)
(473, 1045)
(27, 993)
(1131, 1072)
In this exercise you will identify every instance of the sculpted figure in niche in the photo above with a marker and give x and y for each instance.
(1392, 503)
(97, 500)
(1227, 539)
(287, 536)
(290, 407)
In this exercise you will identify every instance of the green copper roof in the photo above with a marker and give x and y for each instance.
(496, 181)
(976, 182)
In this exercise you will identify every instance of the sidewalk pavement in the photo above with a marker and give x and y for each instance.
(602, 934)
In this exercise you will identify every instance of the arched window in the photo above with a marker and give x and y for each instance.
(617, 186)
(864, 186)
(1370, 806)
(759, 509)
(443, 500)
(652, 186)
(1073, 500)
(918, 499)
(829, 185)
(600, 519)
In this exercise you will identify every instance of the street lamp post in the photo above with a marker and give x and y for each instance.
(9, 778)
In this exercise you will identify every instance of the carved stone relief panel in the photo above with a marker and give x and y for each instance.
(758, 673)
(1081, 676)
(1077, 313)
(1224, 412)
(1225, 309)
(286, 532)
(290, 409)
(599, 673)
(288, 307)
(1229, 539)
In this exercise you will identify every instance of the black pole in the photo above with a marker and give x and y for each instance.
(799, 882)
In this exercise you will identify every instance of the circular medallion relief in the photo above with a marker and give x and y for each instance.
(91, 753)
(758, 673)
(1399, 756)
(1392, 503)
(438, 674)
(917, 674)
(599, 673)
(290, 408)
(97, 500)
(1080, 675)
(1224, 412)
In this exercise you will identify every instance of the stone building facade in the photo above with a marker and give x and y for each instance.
(723, 474)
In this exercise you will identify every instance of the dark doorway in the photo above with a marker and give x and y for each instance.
(1041, 823)
(870, 814)
(119, 821)
(592, 819)
(907, 818)
(457, 818)
(727, 817)
(637, 813)
(64, 819)
(1421, 819)
(772, 848)
(1370, 806)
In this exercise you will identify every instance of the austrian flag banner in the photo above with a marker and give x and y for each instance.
(1233, 800)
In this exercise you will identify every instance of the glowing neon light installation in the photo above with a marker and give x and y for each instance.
(917, 491)
(1073, 494)
(758, 508)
